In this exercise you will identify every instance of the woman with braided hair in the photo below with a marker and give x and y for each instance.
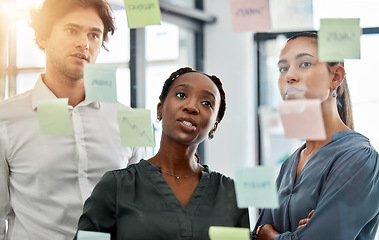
(171, 195)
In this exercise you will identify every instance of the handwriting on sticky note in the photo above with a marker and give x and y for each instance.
(53, 117)
(302, 119)
(141, 13)
(135, 128)
(255, 186)
(250, 15)
(89, 235)
(339, 39)
(227, 233)
(100, 82)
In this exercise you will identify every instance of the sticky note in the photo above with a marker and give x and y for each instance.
(227, 233)
(141, 13)
(291, 15)
(136, 129)
(339, 39)
(255, 186)
(100, 82)
(53, 117)
(88, 235)
(250, 15)
(302, 119)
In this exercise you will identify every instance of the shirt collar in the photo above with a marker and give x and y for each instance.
(42, 92)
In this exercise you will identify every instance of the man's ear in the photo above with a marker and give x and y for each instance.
(339, 76)
(215, 126)
(43, 42)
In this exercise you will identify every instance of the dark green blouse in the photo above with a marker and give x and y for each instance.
(137, 203)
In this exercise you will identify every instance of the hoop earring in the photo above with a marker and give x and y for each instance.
(158, 119)
(211, 135)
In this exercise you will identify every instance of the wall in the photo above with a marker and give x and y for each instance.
(229, 56)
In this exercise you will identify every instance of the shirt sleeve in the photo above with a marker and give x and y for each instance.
(99, 211)
(348, 204)
(4, 175)
(265, 217)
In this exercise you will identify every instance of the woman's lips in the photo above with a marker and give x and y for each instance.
(292, 91)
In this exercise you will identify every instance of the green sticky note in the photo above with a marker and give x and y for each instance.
(100, 82)
(88, 235)
(136, 129)
(339, 39)
(141, 13)
(255, 186)
(227, 233)
(53, 117)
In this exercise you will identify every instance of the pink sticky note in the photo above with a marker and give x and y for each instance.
(250, 15)
(302, 119)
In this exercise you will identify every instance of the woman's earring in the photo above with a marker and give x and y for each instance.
(158, 119)
(334, 95)
(211, 135)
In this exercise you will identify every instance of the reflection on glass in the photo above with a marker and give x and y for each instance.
(123, 85)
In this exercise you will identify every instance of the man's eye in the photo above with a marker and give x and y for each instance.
(94, 35)
(71, 30)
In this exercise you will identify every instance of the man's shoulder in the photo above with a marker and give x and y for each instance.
(18, 102)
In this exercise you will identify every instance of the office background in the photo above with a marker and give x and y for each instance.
(199, 34)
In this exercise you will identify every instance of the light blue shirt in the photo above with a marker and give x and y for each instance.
(340, 181)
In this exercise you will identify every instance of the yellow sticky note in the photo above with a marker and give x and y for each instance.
(339, 39)
(255, 186)
(227, 233)
(53, 117)
(136, 129)
(141, 13)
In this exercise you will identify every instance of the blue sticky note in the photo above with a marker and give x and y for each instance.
(88, 235)
(100, 82)
(255, 186)
(339, 39)
(136, 129)
(53, 117)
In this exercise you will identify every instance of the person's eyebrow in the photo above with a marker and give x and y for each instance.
(74, 25)
(190, 87)
(300, 55)
(209, 93)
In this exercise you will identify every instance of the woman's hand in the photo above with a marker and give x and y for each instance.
(304, 221)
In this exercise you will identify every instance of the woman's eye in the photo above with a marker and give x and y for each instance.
(305, 64)
(181, 95)
(283, 69)
(207, 103)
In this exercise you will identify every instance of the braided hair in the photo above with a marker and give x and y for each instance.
(181, 71)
